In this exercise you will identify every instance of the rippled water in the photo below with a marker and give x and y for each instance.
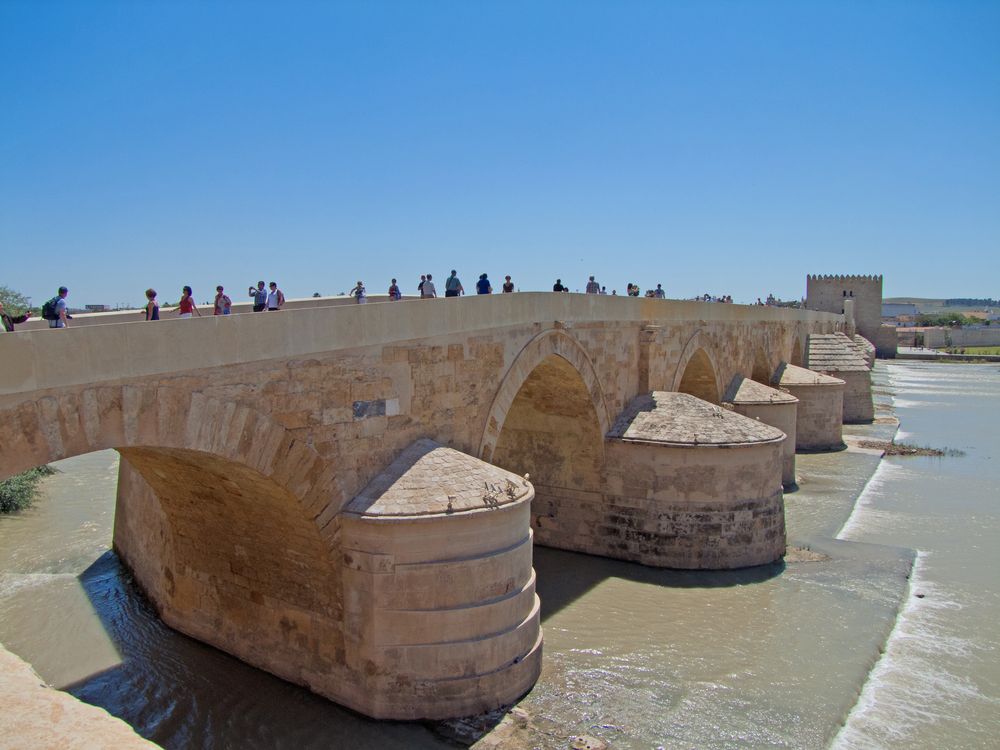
(938, 684)
(768, 657)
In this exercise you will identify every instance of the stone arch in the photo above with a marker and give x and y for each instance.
(697, 372)
(548, 344)
(762, 368)
(795, 357)
(62, 425)
(226, 519)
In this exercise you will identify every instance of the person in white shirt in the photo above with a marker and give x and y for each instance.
(275, 299)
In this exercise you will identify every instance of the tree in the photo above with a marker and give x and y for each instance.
(14, 302)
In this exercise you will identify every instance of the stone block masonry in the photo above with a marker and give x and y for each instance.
(243, 440)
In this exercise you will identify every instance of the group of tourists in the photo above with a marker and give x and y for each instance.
(270, 298)
(631, 290)
(264, 298)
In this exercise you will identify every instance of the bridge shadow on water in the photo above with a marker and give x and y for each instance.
(564, 577)
(181, 693)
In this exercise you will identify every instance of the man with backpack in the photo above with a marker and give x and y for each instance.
(54, 310)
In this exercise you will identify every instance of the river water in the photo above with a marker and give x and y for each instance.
(778, 656)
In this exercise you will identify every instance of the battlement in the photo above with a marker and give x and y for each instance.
(844, 277)
(828, 292)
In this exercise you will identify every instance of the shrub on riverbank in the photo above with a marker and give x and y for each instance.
(18, 492)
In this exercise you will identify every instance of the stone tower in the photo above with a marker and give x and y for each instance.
(827, 293)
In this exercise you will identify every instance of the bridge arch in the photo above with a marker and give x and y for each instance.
(553, 343)
(123, 417)
(762, 368)
(795, 356)
(220, 514)
(697, 371)
(549, 420)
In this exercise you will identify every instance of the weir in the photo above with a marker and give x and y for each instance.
(252, 447)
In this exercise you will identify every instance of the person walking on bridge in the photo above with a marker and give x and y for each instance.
(359, 293)
(275, 299)
(54, 310)
(593, 287)
(452, 286)
(508, 285)
(483, 286)
(152, 308)
(186, 307)
(223, 305)
(428, 290)
(259, 294)
(394, 294)
(9, 321)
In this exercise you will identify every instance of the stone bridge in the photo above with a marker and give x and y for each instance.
(322, 493)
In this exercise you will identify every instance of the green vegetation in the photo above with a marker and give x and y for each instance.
(14, 303)
(948, 320)
(18, 492)
(973, 350)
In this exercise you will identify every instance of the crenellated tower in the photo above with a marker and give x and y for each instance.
(827, 292)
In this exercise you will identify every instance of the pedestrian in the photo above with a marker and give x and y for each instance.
(428, 291)
(54, 310)
(152, 309)
(358, 292)
(420, 286)
(394, 294)
(659, 293)
(223, 305)
(604, 290)
(259, 294)
(275, 299)
(483, 286)
(186, 307)
(593, 287)
(508, 285)
(558, 286)
(452, 286)
(10, 320)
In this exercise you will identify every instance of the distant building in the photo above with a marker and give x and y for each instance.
(98, 308)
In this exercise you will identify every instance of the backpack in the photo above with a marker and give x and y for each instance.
(50, 309)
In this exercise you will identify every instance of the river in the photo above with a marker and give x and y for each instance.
(777, 656)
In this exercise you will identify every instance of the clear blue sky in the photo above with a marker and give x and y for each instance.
(722, 147)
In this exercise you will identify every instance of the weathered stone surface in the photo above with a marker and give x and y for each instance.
(33, 715)
(837, 355)
(819, 413)
(442, 618)
(680, 419)
(777, 408)
(428, 478)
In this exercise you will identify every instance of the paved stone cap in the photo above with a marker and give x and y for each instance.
(430, 479)
(746, 391)
(835, 352)
(680, 419)
(865, 348)
(792, 375)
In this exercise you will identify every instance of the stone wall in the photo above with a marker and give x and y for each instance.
(662, 507)
(819, 417)
(782, 416)
(858, 405)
